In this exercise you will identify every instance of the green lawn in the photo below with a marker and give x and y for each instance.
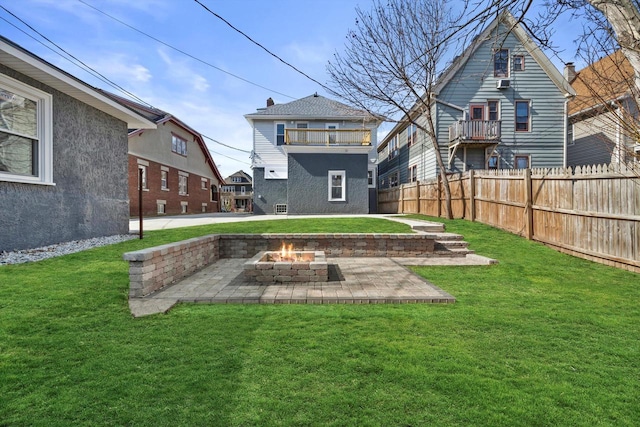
(539, 339)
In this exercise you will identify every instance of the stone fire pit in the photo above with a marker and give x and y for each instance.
(293, 266)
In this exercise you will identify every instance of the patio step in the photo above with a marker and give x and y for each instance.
(451, 245)
(431, 227)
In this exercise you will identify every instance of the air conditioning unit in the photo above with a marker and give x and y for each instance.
(503, 83)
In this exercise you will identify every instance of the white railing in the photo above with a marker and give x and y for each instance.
(328, 136)
(475, 130)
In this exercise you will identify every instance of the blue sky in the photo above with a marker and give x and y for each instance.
(304, 33)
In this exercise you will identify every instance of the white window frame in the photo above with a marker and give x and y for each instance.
(162, 207)
(371, 177)
(164, 182)
(393, 147)
(183, 183)
(330, 175)
(44, 128)
(284, 132)
(178, 145)
(394, 179)
(203, 183)
(184, 207)
(412, 173)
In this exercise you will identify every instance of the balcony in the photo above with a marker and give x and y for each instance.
(475, 132)
(328, 137)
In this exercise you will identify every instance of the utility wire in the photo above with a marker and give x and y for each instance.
(96, 74)
(264, 48)
(183, 52)
(84, 66)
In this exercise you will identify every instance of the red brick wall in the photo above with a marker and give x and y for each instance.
(195, 198)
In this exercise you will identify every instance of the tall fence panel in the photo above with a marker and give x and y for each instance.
(592, 212)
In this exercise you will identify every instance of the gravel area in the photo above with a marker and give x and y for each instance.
(38, 254)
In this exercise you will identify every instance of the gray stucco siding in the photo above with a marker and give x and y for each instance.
(267, 193)
(308, 183)
(89, 198)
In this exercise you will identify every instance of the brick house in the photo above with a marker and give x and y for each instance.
(179, 175)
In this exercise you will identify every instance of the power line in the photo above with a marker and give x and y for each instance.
(264, 48)
(98, 75)
(183, 52)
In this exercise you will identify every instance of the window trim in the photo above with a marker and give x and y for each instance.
(395, 174)
(343, 196)
(412, 173)
(371, 179)
(515, 110)
(412, 134)
(185, 176)
(284, 133)
(175, 148)
(498, 112)
(44, 105)
(521, 62)
(164, 182)
(495, 73)
(393, 147)
(525, 156)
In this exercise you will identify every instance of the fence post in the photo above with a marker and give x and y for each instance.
(528, 204)
(472, 196)
(401, 199)
(418, 195)
(439, 196)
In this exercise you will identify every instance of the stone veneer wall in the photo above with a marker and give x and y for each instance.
(154, 268)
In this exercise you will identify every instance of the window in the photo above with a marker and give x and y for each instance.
(162, 206)
(184, 207)
(203, 183)
(518, 63)
(570, 138)
(337, 186)
(178, 145)
(413, 173)
(501, 63)
(493, 162)
(204, 207)
(522, 162)
(243, 190)
(25, 133)
(371, 178)
(494, 109)
(412, 135)
(183, 183)
(393, 147)
(522, 116)
(236, 179)
(394, 179)
(164, 180)
(279, 133)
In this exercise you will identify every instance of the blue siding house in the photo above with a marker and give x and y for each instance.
(500, 105)
(313, 155)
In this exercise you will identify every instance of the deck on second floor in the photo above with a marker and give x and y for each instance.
(476, 132)
(328, 137)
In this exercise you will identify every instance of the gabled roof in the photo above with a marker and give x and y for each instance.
(25, 62)
(240, 173)
(311, 107)
(523, 37)
(608, 79)
(160, 117)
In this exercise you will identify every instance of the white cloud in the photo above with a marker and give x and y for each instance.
(310, 54)
(180, 72)
(121, 68)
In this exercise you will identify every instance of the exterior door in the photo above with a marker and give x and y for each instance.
(477, 123)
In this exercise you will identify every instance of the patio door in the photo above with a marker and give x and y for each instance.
(477, 123)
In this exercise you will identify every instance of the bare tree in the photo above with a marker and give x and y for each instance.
(391, 63)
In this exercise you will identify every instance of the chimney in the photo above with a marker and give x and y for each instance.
(569, 71)
(270, 102)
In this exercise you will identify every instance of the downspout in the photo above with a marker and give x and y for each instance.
(566, 127)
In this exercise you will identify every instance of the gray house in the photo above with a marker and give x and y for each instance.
(313, 156)
(63, 155)
(500, 105)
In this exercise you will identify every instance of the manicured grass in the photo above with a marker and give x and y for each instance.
(539, 339)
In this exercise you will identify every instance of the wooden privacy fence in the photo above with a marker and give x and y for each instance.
(592, 212)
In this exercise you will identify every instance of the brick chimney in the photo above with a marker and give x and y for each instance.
(270, 102)
(569, 71)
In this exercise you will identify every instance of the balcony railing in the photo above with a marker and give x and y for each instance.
(475, 131)
(328, 136)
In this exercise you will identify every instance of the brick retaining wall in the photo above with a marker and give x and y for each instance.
(154, 268)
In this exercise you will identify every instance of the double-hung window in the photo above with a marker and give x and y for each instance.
(393, 147)
(26, 136)
(501, 63)
(412, 135)
(183, 183)
(164, 179)
(523, 116)
(413, 173)
(337, 186)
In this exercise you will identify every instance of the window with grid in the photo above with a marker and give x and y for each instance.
(178, 145)
(501, 63)
(183, 185)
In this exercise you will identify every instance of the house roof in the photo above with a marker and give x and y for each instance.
(523, 37)
(311, 107)
(239, 173)
(605, 80)
(25, 62)
(159, 117)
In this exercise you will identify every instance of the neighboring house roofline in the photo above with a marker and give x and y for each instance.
(241, 173)
(30, 65)
(165, 117)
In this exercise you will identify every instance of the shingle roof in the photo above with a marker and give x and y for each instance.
(312, 106)
(604, 80)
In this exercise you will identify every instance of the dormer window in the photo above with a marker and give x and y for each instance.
(501, 63)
